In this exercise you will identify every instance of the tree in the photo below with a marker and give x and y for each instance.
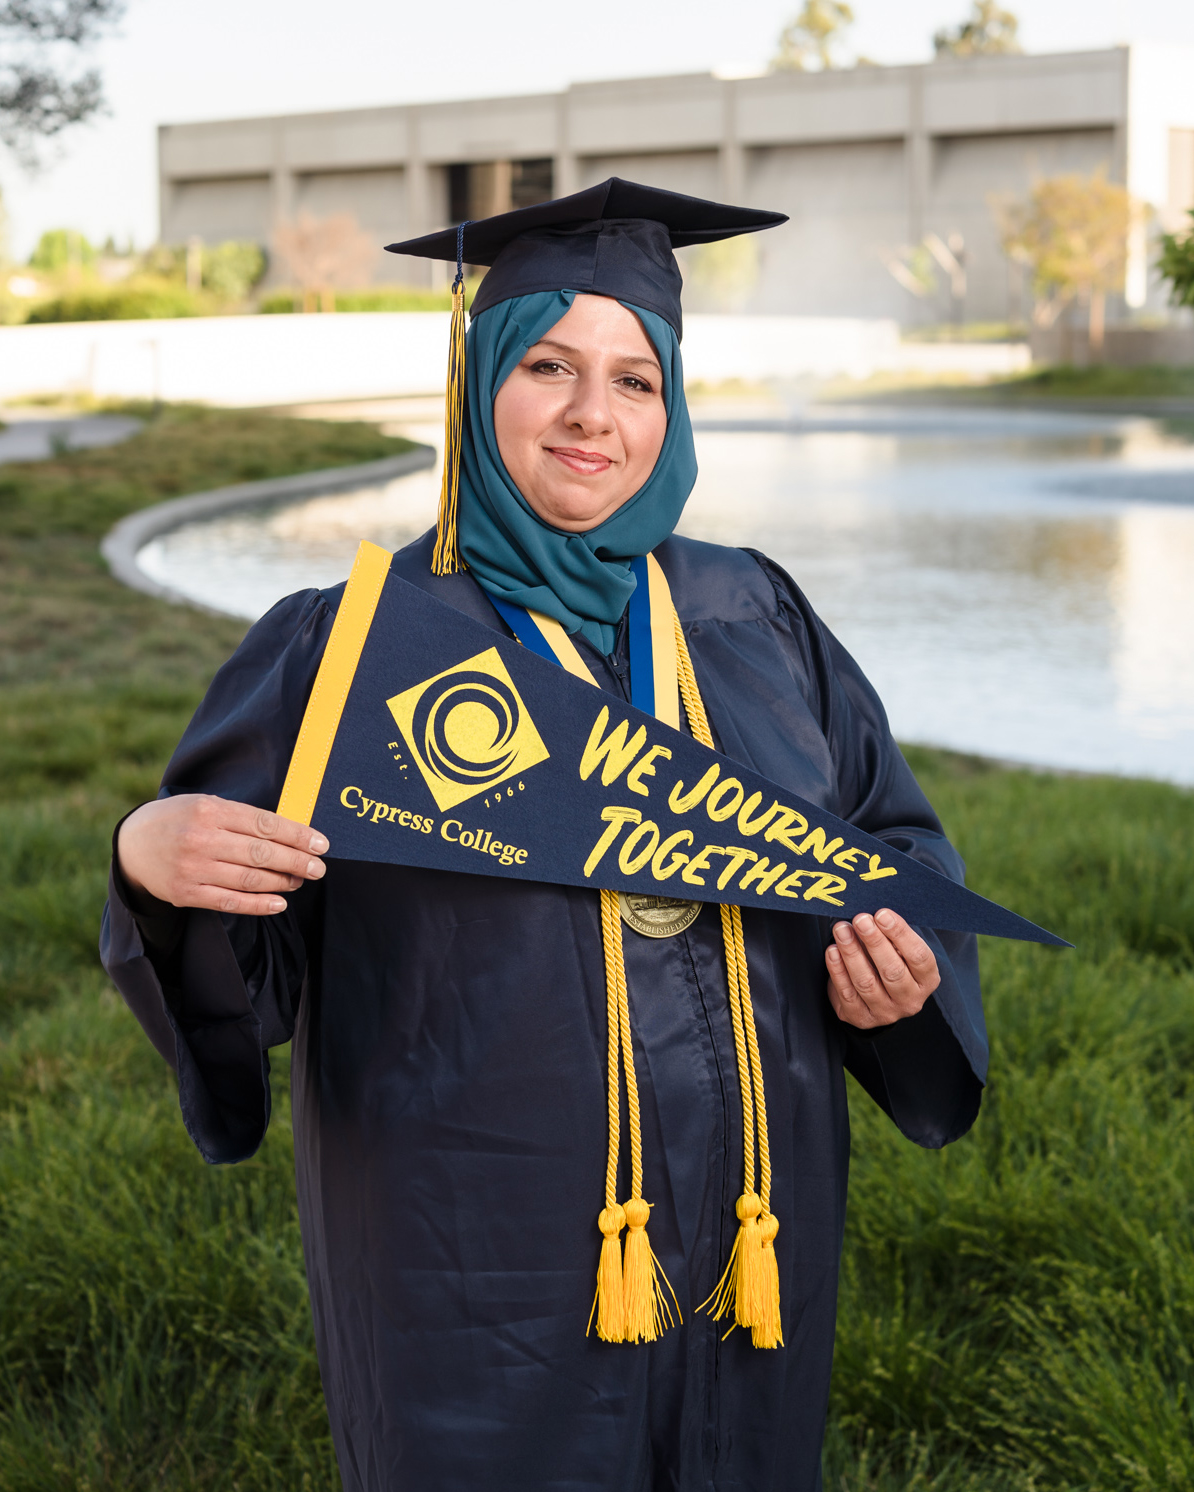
(1176, 264)
(989, 31)
(40, 95)
(1072, 234)
(812, 41)
(321, 253)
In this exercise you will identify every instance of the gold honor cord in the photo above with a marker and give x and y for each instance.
(321, 720)
(750, 1285)
(629, 1304)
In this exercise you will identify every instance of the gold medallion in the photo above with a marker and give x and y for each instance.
(657, 916)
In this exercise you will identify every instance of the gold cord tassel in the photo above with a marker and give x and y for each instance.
(609, 1304)
(749, 1287)
(630, 1305)
(446, 560)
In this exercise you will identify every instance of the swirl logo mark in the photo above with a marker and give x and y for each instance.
(468, 729)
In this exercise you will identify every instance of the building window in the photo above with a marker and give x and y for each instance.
(480, 189)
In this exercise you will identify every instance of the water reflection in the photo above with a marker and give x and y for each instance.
(1001, 591)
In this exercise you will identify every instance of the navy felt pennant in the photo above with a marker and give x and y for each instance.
(456, 748)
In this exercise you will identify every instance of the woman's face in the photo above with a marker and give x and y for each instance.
(580, 422)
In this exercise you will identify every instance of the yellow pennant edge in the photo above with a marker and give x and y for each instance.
(321, 719)
(663, 646)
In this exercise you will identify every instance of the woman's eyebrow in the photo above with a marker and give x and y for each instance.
(563, 347)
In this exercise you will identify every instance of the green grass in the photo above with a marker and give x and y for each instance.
(1152, 381)
(1017, 1312)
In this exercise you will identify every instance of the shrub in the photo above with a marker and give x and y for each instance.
(136, 300)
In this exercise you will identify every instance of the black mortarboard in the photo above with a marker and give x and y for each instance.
(614, 239)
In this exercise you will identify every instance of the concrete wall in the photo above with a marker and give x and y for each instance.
(269, 360)
(866, 161)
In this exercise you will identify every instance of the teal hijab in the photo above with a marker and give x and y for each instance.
(583, 580)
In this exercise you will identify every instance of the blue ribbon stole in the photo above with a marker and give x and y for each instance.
(642, 656)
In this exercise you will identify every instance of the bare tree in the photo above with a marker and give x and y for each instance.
(320, 254)
(989, 30)
(813, 40)
(1072, 234)
(40, 92)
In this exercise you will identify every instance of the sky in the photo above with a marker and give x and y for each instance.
(171, 62)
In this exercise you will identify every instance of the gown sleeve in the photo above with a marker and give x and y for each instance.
(215, 992)
(926, 1071)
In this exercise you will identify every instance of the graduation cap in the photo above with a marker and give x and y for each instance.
(615, 239)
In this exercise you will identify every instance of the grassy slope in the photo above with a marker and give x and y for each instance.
(1016, 1311)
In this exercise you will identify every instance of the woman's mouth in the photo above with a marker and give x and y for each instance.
(584, 463)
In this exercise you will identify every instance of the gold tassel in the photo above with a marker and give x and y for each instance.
(609, 1303)
(446, 560)
(749, 1285)
(630, 1305)
(767, 1330)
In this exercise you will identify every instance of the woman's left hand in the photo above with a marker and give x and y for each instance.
(880, 970)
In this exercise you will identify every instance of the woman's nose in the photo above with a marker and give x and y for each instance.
(590, 409)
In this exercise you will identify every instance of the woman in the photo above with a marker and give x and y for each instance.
(450, 1031)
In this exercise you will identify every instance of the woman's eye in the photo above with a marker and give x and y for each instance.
(546, 367)
(639, 385)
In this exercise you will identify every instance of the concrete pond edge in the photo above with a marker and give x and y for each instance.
(121, 545)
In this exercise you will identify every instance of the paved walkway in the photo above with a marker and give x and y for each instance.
(36, 435)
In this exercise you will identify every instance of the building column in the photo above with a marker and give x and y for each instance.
(731, 156)
(918, 157)
(282, 195)
(419, 213)
(565, 168)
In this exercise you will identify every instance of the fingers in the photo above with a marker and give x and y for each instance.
(912, 948)
(880, 970)
(198, 850)
(260, 823)
(263, 854)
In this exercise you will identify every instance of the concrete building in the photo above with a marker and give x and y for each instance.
(866, 162)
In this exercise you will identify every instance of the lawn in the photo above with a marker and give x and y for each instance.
(1017, 1311)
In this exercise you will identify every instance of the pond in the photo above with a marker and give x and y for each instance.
(1015, 585)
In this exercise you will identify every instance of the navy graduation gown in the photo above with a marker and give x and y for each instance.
(448, 1068)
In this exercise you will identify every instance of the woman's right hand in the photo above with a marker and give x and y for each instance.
(196, 850)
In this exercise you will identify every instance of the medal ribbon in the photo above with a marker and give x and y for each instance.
(630, 1305)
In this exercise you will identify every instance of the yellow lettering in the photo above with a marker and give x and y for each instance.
(737, 858)
(659, 870)
(379, 812)
(614, 818)
(631, 858)
(790, 885)
(495, 847)
(634, 778)
(345, 793)
(700, 862)
(847, 858)
(875, 874)
(520, 858)
(443, 833)
(717, 809)
(616, 750)
(816, 843)
(759, 872)
(822, 888)
(391, 814)
(783, 831)
(680, 802)
(750, 826)
(366, 805)
(404, 818)
(428, 825)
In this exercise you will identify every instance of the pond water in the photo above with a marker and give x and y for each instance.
(1020, 586)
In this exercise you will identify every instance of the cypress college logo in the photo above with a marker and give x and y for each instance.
(468, 729)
